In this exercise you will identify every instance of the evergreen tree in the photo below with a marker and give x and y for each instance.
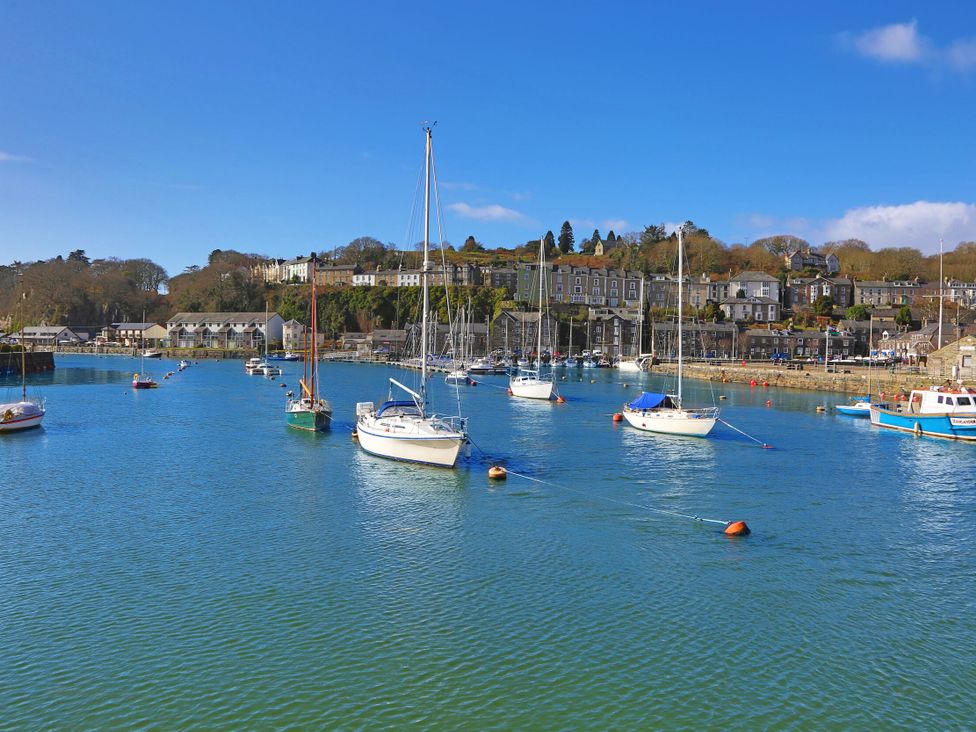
(550, 241)
(589, 245)
(567, 241)
(611, 237)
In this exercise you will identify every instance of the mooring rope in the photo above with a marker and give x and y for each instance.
(746, 434)
(606, 499)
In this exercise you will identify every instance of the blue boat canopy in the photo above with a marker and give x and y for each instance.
(647, 400)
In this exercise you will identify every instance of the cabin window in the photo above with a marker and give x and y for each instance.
(963, 401)
(941, 399)
(949, 400)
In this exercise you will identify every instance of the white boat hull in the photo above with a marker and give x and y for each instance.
(531, 388)
(693, 423)
(20, 416)
(629, 366)
(429, 450)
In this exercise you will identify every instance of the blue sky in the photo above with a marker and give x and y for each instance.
(166, 130)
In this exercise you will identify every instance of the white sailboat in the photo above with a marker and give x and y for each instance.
(143, 380)
(530, 383)
(26, 413)
(402, 429)
(263, 367)
(640, 360)
(666, 413)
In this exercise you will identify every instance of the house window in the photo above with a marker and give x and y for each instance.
(579, 280)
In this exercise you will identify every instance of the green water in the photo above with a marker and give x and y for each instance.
(179, 558)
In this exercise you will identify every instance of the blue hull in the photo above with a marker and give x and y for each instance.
(930, 425)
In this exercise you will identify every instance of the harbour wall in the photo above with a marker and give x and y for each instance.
(36, 362)
(849, 379)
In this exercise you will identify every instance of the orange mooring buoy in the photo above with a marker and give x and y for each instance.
(618, 417)
(736, 528)
(765, 383)
(497, 472)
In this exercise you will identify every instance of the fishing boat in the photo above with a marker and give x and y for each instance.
(309, 411)
(667, 413)
(152, 354)
(939, 411)
(530, 383)
(26, 413)
(402, 429)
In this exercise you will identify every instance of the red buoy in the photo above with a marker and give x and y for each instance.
(618, 417)
(752, 383)
(769, 403)
(560, 400)
(765, 383)
(736, 528)
(510, 392)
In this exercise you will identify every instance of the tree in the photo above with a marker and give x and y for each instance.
(858, 312)
(472, 245)
(589, 245)
(740, 293)
(78, 255)
(550, 241)
(652, 235)
(782, 243)
(611, 237)
(566, 239)
(823, 306)
(904, 317)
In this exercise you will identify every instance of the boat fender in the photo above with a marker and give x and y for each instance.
(918, 429)
(510, 392)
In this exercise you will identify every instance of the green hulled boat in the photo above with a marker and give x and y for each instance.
(309, 411)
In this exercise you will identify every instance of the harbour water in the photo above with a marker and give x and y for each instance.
(178, 558)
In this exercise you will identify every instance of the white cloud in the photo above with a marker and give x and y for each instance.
(616, 225)
(895, 42)
(962, 54)
(491, 212)
(918, 224)
(11, 158)
(902, 43)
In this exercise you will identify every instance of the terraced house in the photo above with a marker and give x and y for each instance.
(579, 285)
(223, 330)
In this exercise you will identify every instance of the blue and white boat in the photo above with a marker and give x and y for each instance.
(858, 407)
(935, 412)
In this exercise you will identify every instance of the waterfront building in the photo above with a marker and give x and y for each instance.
(704, 289)
(913, 345)
(698, 340)
(46, 335)
(223, 330)
(614, 331)
(575, 285)
(150, 335)
(955, 361)
(499, 277)
(520, 332)
(758, 343)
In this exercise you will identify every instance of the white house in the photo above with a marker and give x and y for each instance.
(296, 270)
(755, 284)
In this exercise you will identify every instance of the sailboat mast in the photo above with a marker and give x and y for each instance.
(23, 345)
(941, 283)
(681, 272)
(313, 369)
(640, 321)
(424, 272)
(542, 266)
